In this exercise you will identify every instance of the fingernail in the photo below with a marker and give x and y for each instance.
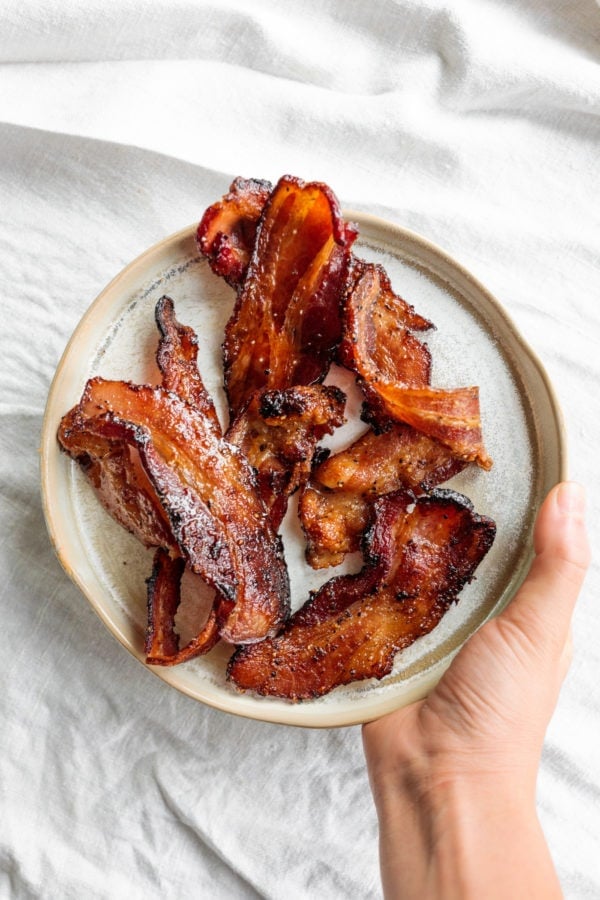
(571, 498)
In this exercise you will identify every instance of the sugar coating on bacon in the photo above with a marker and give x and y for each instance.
(286, 322)
(278, 433)
(419, 557)
(227, 230)
(335, 507)
(207, 490)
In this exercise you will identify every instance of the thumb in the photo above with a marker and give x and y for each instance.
(541, 610)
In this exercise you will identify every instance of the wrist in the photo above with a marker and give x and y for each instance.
(450, 836)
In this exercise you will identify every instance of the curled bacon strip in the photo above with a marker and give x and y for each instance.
(451, 416)
(227, 230)
(278, 433)
(394, 370)
(335, 507)
(119, 481)
(419, 557)
(164, 596)
(287, 322)
(206, 489)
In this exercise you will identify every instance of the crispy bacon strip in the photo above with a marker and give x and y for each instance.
(369, 283)
(394, 371)
(419, 559)
(377, 340)
(227, 230)
(207, 490)
(286, 322)
(278, 432)
(119, 481)
(164, 596)
(335, 507)
(177, 359)
(450, 416)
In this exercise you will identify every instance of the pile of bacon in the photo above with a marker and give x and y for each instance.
(212, 502)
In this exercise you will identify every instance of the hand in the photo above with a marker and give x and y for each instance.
(453, 776)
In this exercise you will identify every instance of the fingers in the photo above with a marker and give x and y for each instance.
(543, 606)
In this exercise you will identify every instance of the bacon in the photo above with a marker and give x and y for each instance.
(164, 597)
(394, 370)
(450, 416)
(377, 341)
(122, 486)
(207, 490)
(419, 557)
(227, 230)
(278, 432)
(287, 321)
(177, 359)
(335, 507)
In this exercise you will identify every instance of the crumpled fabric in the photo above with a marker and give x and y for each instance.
(475, 123)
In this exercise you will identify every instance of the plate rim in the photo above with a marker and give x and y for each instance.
(246, 705)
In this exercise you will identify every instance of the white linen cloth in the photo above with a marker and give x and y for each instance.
(473, 122)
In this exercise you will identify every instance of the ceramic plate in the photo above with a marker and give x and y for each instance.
(474, 343)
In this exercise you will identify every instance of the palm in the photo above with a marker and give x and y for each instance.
(487, 708)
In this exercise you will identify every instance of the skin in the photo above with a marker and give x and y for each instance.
(454, 776)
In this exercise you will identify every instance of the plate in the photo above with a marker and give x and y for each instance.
(475, 343)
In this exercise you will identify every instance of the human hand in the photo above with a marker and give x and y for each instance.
(453, 776)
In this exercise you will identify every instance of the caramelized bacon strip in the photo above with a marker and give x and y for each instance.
(419, 559)
(227, 230)
(450, 416)
(394, 371)
(119, 481)
(287, 322)
(278, 433)
(377, 342)
(177, 359)
(370, 284)
(335, 507)
(207, 490)
(164, 596)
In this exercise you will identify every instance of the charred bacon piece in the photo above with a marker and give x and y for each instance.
(335, 507)
(227, 230)
(119, 481)
(207, 490)
(419, 558)
(164, 596)
(278, 432)
(287, 320)
(177, 359)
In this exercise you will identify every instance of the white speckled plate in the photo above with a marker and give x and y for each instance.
(475, 343)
